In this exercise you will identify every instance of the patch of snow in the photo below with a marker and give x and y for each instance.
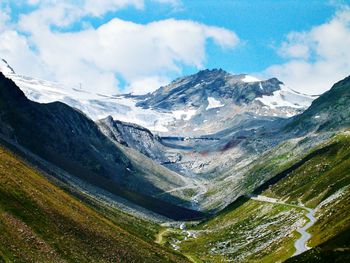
(260, 86)
(214, 103)
(249, 79)
(184, 114)
(286, 97)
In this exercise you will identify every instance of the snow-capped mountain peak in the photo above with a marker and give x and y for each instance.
(200, 102)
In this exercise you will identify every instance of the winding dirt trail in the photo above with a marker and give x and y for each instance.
(301, 243)
(161, 234)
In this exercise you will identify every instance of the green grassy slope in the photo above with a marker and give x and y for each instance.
(39, 222)
(331, 108)
(336, 250)
(254, 231)
(322, 177)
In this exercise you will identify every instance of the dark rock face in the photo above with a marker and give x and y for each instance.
(58, 133)
(7, 66)
(195, 89)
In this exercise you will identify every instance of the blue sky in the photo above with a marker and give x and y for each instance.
(286, 39)
(260, 24)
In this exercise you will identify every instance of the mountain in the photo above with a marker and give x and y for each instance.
(263, 228)
(203, 152)
(94, 105)
(64, 136)
(189, 104)
(68, 139)
(329, 112)
(215, 88)
(200, 99)
(302, 181)
(262, 174)
(186, 136)
(256, 156)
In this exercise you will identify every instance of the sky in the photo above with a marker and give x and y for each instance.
(118, 46)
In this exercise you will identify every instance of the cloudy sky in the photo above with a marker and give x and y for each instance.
(137, 45)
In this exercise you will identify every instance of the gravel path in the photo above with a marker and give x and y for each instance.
(299, 244)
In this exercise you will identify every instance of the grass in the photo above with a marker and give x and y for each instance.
(40, 222)
(334, 250)
(193, 258)
(333, 220)
(253, 231)
(319, 177)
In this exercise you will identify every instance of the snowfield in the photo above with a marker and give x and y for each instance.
(286, 97)
(248, 79)
(214, 103)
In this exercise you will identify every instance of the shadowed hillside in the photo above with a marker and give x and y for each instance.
(42, 223)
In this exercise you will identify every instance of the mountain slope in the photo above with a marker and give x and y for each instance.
(329, 112)
(40, 222)
(306, 173)
(134, 136)
(265, 151)
(62, 135)
(334, 250)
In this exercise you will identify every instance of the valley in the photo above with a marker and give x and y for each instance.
(213, 167)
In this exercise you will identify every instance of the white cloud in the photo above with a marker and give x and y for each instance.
(317, 58)
(15, 47)
(98, 8)
(146, 84)
(142, 54)
(87, 7)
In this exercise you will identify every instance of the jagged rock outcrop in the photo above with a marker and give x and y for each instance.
(134, 136)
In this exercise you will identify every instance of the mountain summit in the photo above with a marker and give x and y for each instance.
(207, 86)
(196, 101)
